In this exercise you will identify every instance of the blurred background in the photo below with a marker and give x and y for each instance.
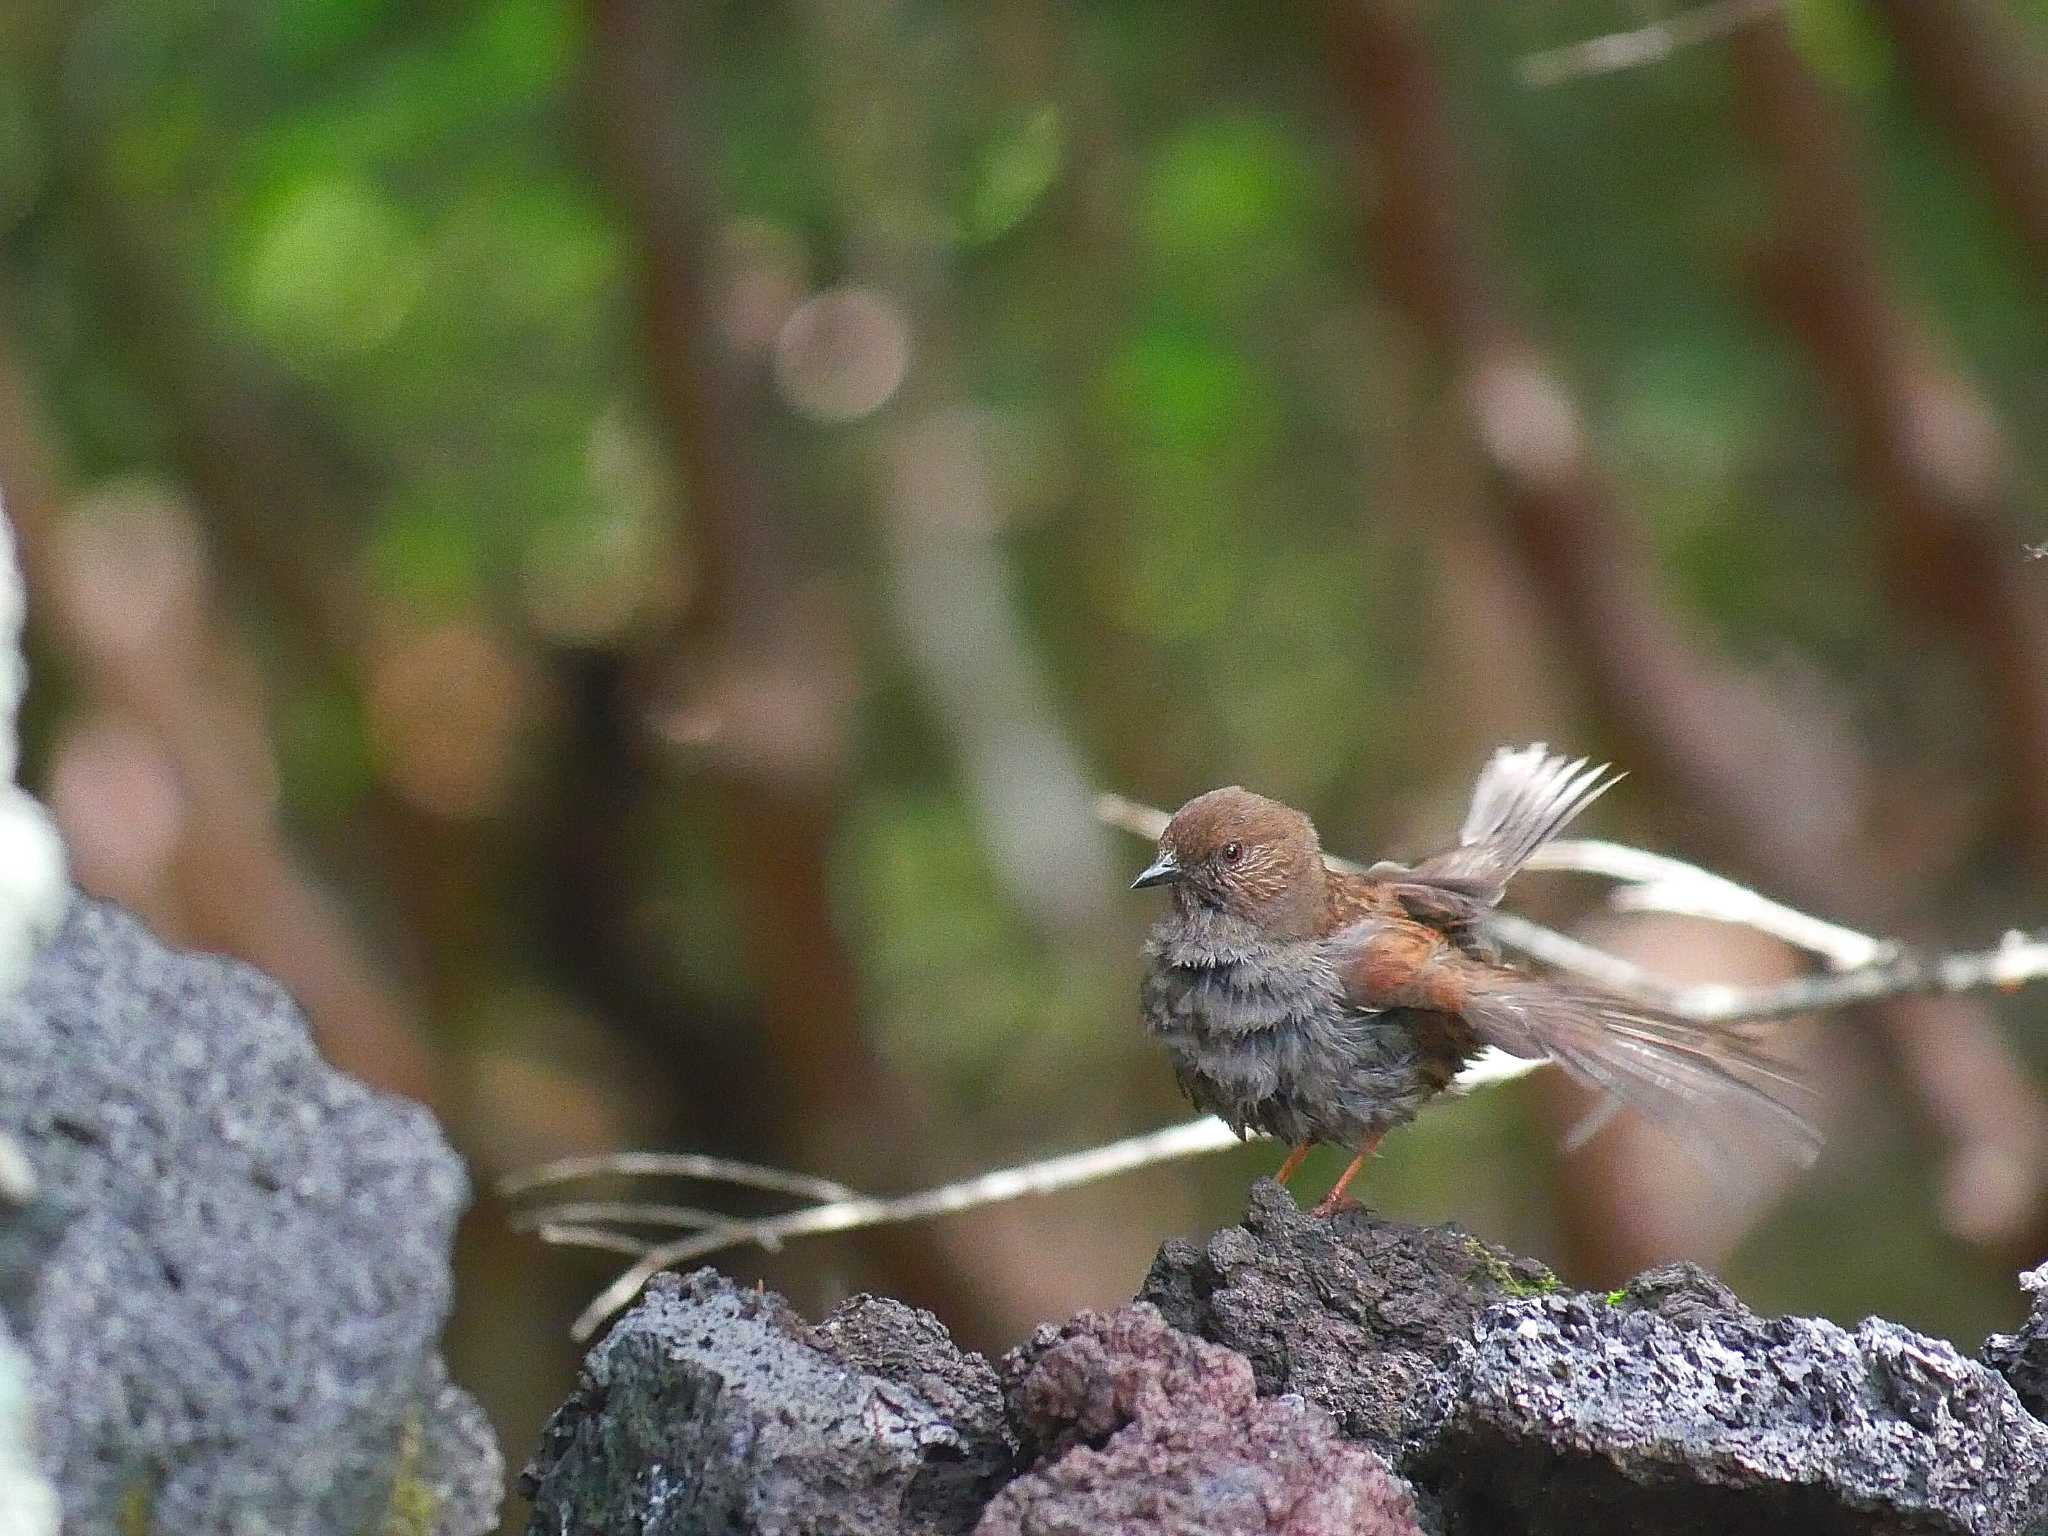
(609, 546)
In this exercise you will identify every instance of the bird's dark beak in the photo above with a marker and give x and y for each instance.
(1162, 871)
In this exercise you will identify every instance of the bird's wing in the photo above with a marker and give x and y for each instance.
(1388, 961)
(1523, 798)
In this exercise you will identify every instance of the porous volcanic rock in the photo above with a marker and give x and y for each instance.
(1661, 1411)
(1360, 1316)
(230, 1302)
(1298, 1375)
(713, 1409)
(2022, 1358)
(1141, 1428)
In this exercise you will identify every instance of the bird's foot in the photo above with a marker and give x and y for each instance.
(1329, 1204)
(1332, 1203)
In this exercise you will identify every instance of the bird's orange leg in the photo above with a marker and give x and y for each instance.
(1329, 1203)
(1287, 1169)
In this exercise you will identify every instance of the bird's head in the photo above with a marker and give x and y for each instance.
(1240, 854)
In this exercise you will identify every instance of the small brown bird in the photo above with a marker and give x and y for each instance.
(1319, 1006)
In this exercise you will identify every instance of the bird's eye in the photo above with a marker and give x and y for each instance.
(1232, 852)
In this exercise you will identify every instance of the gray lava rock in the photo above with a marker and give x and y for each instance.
(1145, 1429)
(234, 1329)
(709, 1408)
(2022, 1358)
(1357, 1314)
(1672, 1412)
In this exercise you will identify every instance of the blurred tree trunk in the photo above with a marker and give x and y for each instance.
(758, 682)
(1979, 71)
(1925, 443)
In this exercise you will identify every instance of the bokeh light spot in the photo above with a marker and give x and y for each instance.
(132, 565)
(332, 270)
(1013, 174)
(447, 704)
(843, 354)
(117, 799)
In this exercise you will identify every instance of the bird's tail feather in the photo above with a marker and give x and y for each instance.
(1724, 1098)
(1524, 797)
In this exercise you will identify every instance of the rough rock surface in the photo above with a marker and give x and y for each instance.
(1284, 1368)
(1518, 1407)
(1358, 1315)
(709, 1408)
(234, 1327)
(1674, 1408)
(1143, 1428)
(2022, 1358)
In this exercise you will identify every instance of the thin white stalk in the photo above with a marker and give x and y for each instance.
(1615, 51)
(570, 1234)
(678, 1165)
(624, 1213)
(1561, 952)
(1656, 882)
(849, 1214)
